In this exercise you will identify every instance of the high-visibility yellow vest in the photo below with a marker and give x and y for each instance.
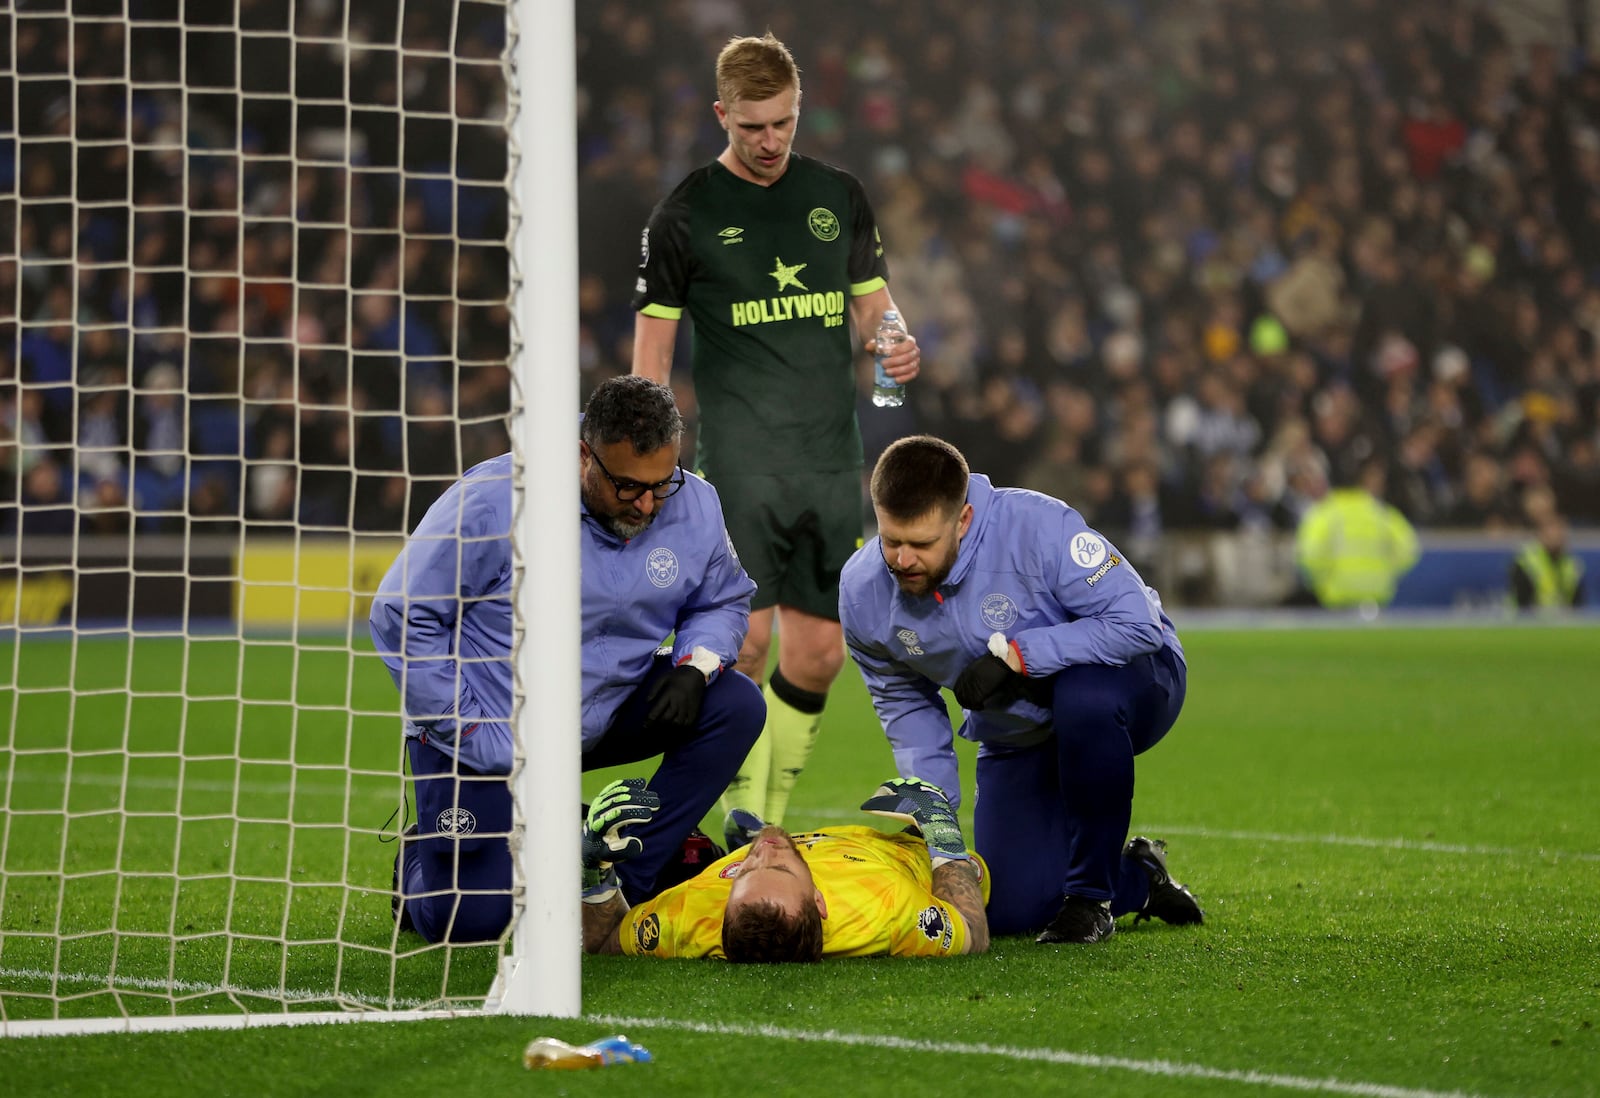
(1555, 582)
(1354, 548)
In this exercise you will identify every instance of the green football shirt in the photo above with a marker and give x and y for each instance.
(766, 275)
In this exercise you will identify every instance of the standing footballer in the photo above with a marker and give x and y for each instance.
(774, 257)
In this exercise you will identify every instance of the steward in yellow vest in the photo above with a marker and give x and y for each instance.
(1353, 547)
(1544, 576)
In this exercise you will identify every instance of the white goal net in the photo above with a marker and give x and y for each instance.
(256, 313)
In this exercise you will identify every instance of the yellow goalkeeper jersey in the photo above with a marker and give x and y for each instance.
(878, 888)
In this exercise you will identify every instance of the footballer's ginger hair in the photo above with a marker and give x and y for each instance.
(761, 932)
(754, 69)
(918, 475)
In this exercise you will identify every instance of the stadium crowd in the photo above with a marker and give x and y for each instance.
(1186, 265)
(1182, 265)
(301, 316)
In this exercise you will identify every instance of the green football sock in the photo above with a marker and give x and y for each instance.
(793, 716)
(748, 790)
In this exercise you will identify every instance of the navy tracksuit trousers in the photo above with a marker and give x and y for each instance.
(456, 872)
(1052, 819)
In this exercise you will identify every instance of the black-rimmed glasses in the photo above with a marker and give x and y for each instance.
(630, 490)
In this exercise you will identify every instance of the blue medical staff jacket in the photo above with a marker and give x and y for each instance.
(442, 617)
(1030, 568)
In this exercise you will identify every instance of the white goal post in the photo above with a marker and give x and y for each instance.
(273, 273)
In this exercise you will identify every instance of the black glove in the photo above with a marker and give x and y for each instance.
(675, 698)
(987, 680)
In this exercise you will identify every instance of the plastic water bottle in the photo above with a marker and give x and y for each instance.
(886, 391)
(551, 1052)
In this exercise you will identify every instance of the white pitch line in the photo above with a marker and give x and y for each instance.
(1425, 845)
(1167, 1068)
(195, 988)
(302, 786)
(318, 787)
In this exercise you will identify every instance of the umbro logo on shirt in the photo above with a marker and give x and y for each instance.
(732, 235)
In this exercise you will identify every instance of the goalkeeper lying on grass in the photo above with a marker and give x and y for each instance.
(839, 892)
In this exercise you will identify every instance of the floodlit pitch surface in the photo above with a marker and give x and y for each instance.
(1395, 834)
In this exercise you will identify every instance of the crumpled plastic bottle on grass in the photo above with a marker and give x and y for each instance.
(551, 1052)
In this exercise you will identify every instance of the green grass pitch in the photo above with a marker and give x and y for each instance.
(1394, 833)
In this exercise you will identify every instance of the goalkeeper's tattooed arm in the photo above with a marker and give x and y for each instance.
(618, 807)
(600, 922)
(956, 883)
(955, 874)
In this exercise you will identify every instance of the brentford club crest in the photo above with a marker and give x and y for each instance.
(998, 611)
(457, 821)
(661, 566)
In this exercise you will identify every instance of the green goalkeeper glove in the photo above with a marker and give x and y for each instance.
(924, 805)
(621, 804)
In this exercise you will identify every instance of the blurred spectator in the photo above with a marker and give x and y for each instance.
(102, 433)
(271, 486)
(25, 420)
(430, 449)
(46, 356)
(1577, 481)
(1419, 482)
(1138, 514)
(46, 503)
(1483, 503)
(380, 505)
(160, 443)
(103, 505)
(1212, 422)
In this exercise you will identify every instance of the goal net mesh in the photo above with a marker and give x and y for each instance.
(253, 320)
